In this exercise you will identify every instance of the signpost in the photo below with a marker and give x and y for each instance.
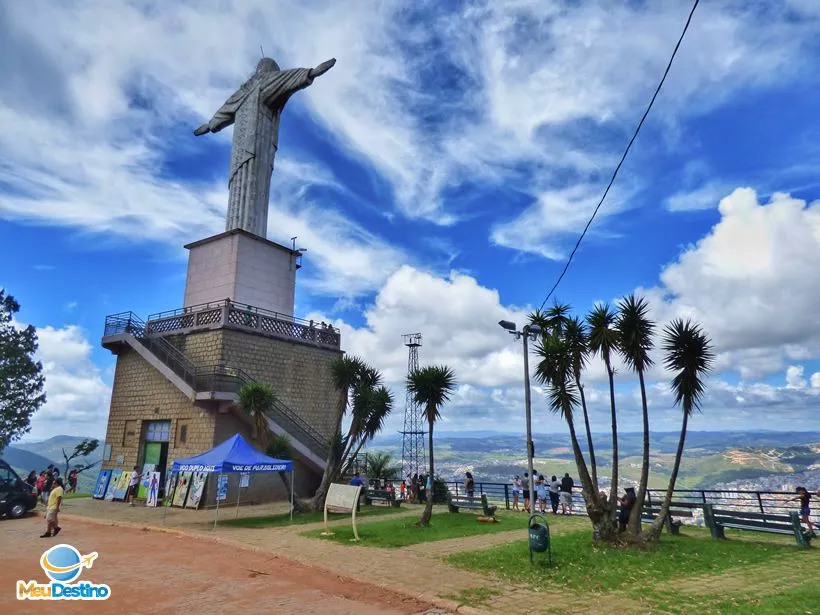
(343, 499)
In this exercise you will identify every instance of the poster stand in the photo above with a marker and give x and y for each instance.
(342, 498)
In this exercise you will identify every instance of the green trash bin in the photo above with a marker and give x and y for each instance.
(539, 537)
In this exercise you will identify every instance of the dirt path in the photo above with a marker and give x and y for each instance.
(156, 572)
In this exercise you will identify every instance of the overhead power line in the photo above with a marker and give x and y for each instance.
(623, 157)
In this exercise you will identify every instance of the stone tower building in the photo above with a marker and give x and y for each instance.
(178, 372)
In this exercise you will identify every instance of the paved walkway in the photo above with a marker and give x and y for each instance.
(156, 572)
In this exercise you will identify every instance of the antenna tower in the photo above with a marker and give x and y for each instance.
(413, 458)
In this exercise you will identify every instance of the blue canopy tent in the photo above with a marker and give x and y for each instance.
(234, 455)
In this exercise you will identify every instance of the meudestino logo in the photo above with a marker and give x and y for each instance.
(63, 564)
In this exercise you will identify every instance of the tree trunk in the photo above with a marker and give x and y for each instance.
(635, 515)
(299, 506)
(332, 468)
(613, 490)
(657, 525)
(593, 466)
(428, 508)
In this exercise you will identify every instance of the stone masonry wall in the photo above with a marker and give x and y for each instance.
(300, 373)
(140, 394)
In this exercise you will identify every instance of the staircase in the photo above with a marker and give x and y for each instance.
(215, 383)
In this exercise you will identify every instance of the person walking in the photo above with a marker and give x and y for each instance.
(516, 492)
(55, 500)
(555, 494)
(566, 494)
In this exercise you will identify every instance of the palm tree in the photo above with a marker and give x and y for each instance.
(688, 353)
(348, 374)
(635, 332)
(256, 399)
(380, 465)
(575, 334)
(603, 340)
(370, 409)
(556, 371)
(431, 387)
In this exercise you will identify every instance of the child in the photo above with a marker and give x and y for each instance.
(805, 497)
(403, 490)
(516, 492)
(541, 490)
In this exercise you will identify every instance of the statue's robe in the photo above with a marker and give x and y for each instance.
(254, 110)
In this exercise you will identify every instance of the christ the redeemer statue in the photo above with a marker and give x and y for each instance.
(254, 109)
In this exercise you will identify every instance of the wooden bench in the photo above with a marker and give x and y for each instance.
(717, 520)
(388, 498)
(479, 504)
(649, 515)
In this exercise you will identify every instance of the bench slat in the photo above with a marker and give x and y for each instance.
(727, 521)
(768, 529)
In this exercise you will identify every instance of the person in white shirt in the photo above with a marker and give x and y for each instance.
(133, 485)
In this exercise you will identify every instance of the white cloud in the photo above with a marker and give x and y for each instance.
(749, 283)
(98, 97)
(706, 196)
(815, 380)
(794, 377)
(77, 398)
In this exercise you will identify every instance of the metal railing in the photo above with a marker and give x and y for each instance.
(763, 502)
(221, 377)
(227, 313)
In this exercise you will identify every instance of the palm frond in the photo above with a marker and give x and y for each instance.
(575, 334)
(431, 387)
(688, 351)
(635, 331)
(603, 334)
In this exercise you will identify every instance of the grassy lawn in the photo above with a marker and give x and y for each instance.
(578, 564)
(305, 518)
(403, 532)
(680, 575)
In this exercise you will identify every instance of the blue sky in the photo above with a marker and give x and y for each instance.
(438, 175)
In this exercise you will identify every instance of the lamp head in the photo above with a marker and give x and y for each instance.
(506, 324)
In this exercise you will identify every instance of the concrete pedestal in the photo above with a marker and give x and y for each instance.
(243, 267)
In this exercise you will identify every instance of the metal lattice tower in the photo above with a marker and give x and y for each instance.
(413, 458)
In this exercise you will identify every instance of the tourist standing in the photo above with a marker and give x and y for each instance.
(516, 492)
(541, 490)
(403, 491)
(469, 485)
(555, 494)
(133, 485)
(72, 481)
(55, 500)
(49, 483)
(525, 486)
(805, 507)
(566, 494)
(627, 502)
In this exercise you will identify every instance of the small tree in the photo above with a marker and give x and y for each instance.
(83, 449)
(256, 400)
(380, 465)
(688, 353)
(431, 388)
(21, 377)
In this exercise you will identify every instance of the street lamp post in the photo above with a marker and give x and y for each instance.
(527, 332)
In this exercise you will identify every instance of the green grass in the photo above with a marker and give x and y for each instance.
(403, 532)
(305, 518)
(801, 599)
(578, 564)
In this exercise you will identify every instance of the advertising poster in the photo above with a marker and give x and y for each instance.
(113, 482)
(244, 479)
(122, 485)
(144, 478)
(222, 488)
(102, 484)
(196, 490)
(153, 489)
(170, 486)
(181, 492)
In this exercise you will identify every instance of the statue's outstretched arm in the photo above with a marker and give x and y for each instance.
(322, 68)
(205, 128)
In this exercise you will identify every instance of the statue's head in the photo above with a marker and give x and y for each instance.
(267, 65)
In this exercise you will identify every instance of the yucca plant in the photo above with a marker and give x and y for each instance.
(431, 388)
